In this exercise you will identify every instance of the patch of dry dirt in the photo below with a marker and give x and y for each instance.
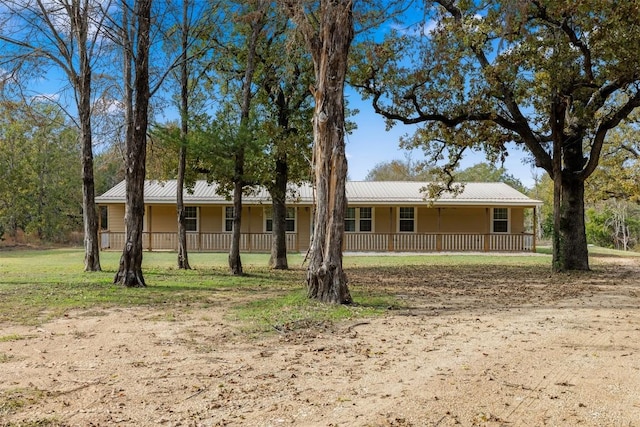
(471, 348)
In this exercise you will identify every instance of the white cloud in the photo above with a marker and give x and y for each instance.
(56, 11)
(108, 106)
(424, 28)
(429, 27)
(46, 97)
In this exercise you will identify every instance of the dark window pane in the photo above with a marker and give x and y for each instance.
(406, 225)
(191, 224)
(291, 213)
(350, 213)
(349, 225)
(406, 213)
(500, 226)
(500, 213)
(228, 218)
(365, 225)
(191, 218)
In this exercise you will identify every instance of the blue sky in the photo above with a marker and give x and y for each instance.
(371, 144)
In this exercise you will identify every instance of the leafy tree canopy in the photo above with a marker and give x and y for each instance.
(618, 175)
(488, 172)
(408, 170)
(552, 76)
(39, 163)
(400, 170)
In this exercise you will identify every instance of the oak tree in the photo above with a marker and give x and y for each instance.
(552, 76)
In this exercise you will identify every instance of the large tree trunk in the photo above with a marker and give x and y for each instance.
(570, 250)
(130, 270)
(183, 257)
(569, 237)
(326, 280)
(89, 211)
(235, 263)
(573, 237)
(82, 83)
(278, 259)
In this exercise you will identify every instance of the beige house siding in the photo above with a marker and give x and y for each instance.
(517, 220)
(303, 226)
(115, 216)
(428, 221)
(463, 220)
(253, 219)
(383, 219)
(162, 219)
(210, 218)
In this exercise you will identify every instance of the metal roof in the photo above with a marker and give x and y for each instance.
(358, 192)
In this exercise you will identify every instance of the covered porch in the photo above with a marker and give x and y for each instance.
(353, 242)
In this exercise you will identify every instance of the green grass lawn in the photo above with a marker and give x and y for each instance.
(38, 285)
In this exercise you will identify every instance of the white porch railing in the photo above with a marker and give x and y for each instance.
(206, 242)
(439, 242)
(353, 242)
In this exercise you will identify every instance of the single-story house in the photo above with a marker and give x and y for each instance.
(381, 216)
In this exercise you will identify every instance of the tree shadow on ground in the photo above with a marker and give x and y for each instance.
(436, 289)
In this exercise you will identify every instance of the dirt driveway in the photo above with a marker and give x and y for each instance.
(471, 347)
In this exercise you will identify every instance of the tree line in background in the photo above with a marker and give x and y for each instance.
(258, 87)
(39, 164)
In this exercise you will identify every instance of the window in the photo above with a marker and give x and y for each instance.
(191, 218)
(500, 220)
(366, 219)
(104, 218)
(350, 219)
(290, 220)
(228, 218)
(358, 220)
(407, 220)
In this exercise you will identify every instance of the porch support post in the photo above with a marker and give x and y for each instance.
(487, 236)
(99, 227)
(250, 237)
(535, 227)
(392, 233)
(150, 234)
(198, 243)
(439, 233)
(297, 235)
